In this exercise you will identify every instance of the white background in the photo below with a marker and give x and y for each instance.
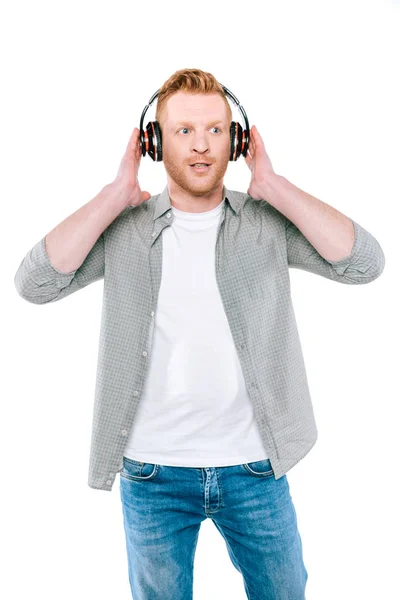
(320, 81)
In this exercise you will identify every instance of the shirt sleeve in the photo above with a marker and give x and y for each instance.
(365, 262)
(39, 282)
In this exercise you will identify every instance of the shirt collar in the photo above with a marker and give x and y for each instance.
(163, 202)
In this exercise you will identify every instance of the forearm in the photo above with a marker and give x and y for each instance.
(328, 230)
(69, 243)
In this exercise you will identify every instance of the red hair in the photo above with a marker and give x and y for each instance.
(192, 81)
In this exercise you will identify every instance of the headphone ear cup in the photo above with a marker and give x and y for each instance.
(152, 141)
(232, 133)
(142, 143)
(148, 141)
(157, 131)
(236, 140)
(245, 142)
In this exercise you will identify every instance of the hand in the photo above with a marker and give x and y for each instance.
(259, 164)
(127, 176)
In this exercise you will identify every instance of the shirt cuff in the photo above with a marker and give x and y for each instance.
(366, 253)
(40, 269)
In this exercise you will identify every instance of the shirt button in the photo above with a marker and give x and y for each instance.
(153, 234)
(242, 345)
(168, 215)
(111, 474)
(109, 482)
(136, 393)
(152, 313)
(124, 432)
(144, 353)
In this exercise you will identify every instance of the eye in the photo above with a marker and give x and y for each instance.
(187, 129)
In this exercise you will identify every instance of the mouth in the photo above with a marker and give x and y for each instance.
(200, 167)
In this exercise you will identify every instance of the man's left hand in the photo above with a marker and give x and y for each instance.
(259, 164)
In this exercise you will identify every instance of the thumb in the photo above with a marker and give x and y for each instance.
(146, 196)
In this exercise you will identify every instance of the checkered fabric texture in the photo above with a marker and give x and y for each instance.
(255, 247)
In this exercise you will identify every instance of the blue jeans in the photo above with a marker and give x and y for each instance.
(163, 508)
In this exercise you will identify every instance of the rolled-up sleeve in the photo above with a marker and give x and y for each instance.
(365, 262)
(39, 282)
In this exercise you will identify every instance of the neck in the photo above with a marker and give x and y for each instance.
(187, 201)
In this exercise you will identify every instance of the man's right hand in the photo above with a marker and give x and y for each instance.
(127, 176)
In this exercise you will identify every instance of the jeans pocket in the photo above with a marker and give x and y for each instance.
(136, 470)
(259, 468)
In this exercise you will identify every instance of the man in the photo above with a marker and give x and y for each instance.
(202, 402)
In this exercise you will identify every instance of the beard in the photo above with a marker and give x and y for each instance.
(193, 183)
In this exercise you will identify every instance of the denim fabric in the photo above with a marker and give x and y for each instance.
(164, 506)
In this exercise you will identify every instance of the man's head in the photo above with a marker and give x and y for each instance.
(194, 116)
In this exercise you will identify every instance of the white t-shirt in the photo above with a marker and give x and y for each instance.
(195, 410)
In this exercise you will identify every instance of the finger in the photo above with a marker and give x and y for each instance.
(138, 153)
(249, 159)
(132, 141)
(255, 133)
(257, 137)
(135, 135)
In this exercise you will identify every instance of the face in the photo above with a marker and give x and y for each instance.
(195, 127)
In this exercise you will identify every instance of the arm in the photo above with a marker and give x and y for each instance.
(322, 240)
(71, 256)
(319, 238)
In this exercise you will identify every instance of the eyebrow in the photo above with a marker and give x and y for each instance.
(209, 124)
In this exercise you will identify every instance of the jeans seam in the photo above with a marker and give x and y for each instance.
(250, 596)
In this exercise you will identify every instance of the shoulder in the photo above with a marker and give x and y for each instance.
(261, 209)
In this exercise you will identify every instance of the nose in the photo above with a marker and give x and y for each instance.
(200, 144)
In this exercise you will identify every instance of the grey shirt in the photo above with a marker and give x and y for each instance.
(255, 246)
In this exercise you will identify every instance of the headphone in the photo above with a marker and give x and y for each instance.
(151, 139)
